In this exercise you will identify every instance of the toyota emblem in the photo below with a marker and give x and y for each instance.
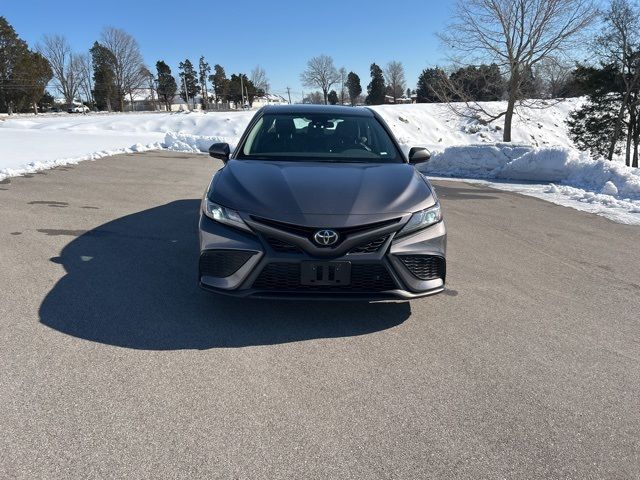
(325, 237)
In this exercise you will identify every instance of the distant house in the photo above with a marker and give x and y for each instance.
(403, 99)
(269, 99)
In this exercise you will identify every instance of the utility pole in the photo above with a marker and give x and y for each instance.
(289, 94)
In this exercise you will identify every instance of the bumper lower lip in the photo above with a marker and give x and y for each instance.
(347, 296)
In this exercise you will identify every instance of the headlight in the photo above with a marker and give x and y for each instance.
(423, 219)
(223, 214)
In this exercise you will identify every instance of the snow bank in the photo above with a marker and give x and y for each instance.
(565, 176)
(553, 164)
(30, 143)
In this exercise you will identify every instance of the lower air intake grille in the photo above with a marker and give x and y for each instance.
(222, 263)
(281, 246)
(370, 247)
(286, 277)
(425, 267)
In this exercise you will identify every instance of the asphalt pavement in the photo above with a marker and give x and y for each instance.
(113, 364)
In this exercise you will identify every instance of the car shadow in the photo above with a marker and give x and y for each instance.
(132, 283)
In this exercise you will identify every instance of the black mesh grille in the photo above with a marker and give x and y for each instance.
(222, 263)
(286, 277)
(425, 267)
(282, 246)
(370, 247)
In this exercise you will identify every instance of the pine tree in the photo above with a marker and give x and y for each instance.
(238, 90)
(189, 80)
(376, 88)
(482, 83)
(592, 126)
(354, 87)
(428, 85)
(167, 86)
(105, 91)
(219, 83)
(333, 97)
(34, 73)
(203, 74)
(12, 51)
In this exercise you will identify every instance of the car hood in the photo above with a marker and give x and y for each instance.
(288, 190)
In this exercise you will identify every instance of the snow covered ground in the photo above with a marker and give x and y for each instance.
(541, 161)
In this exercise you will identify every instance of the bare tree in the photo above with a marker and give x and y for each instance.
(85, 68)
(394, 77)
(259, 79)
(343, 85)
(64, 64)
(619, 44)
(516, 35)
(554, 73)
(128, 61)
(320, 73)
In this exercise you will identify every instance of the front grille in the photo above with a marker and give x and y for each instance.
(425, 267)
(309, 231)
(222, 263)
(286, 277)
(281, 246)
(370, 247)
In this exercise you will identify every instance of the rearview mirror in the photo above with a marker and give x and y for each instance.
(418, 155)
(220, 150)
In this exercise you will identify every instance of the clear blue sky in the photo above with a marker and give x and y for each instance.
(279, 35)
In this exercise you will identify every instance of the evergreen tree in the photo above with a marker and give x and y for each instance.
(34, 73)
(203, 74)
(408, 93)
(376, 88)
(189, 80)
(105, 91)
(482, 83)
(592, 126)
(333, 97)
(238, 90)
(12, 51)
(46, 102)
(219, 83)
(353, 86)
(167, 86)
(429, 85)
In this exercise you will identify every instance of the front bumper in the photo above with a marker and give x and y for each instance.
(241, 264)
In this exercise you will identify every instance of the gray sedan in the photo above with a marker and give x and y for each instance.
(317, 202)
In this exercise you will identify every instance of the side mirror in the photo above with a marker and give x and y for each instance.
(418, 155)
(220, 150)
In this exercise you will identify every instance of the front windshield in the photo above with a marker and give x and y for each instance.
(319, 137)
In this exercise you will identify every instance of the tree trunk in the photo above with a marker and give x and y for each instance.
(636, 141)
(508, 118)
(617, 129)
(627, 152)
(324, 92)
(35, 108)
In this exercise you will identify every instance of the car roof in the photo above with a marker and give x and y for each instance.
(311, 109)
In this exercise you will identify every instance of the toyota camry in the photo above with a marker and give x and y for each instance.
(320, 201)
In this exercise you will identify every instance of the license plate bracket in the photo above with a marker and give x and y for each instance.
(325, 273)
